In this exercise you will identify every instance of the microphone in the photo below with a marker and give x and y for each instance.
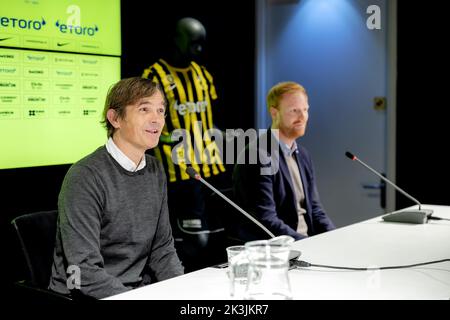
(293, 254)
(194, 175)
(416, 216)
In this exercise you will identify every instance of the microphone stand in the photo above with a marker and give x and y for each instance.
(416, 216)
(193, 174)
(293, 254)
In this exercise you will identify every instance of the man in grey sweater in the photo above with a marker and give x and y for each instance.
(113, 226)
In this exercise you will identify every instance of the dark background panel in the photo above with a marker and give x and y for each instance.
(228, 56)
(423, 134)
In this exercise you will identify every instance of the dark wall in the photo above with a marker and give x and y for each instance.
(229, 52)
(423, 133)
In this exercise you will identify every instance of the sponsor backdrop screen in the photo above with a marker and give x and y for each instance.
(57, 60)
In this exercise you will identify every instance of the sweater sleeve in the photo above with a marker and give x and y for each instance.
(80, 208)
(163, 261)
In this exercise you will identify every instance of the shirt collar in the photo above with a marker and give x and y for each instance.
(288, 152)
(121, 158)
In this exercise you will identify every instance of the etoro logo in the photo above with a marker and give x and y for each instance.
(77, 30)
(20, 23)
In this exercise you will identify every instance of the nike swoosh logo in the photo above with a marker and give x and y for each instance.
(2, 39)
(59, 44)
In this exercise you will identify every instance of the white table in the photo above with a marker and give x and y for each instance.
(366, 244)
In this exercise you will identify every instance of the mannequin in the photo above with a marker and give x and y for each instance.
(189, 41)
(192, 98)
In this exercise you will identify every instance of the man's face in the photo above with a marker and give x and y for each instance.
(141, 126)
(291, 116)
(191, 43)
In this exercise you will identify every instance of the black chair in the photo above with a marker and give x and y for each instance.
(36, 233)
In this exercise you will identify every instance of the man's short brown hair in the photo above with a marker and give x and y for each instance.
(125, 92)
(278, 90)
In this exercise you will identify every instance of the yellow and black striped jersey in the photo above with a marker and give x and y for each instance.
(189, 92)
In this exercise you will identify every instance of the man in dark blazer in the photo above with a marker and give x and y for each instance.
(280, 188)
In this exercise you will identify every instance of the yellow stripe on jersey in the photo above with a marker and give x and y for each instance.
(200, 97)
(170, 166)
(215, 159)
(188, 118)
(183, 99)
(192, 158)
(212, 88)
(198, 139)
(193, 118)
(193, 90)
(208, 100)
(181, 159)
(157, 153)
(207, 140)
(170, 95)
(146, 73)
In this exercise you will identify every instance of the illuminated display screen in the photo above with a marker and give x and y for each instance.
(51, 105)
(51, 102)
(87, 26)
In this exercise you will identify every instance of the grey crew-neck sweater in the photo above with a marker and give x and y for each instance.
(114, 226)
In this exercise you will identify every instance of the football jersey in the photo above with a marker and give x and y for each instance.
(190, 93)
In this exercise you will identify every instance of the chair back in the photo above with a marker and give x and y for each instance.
(37, 235)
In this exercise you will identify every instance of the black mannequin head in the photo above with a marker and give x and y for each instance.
(189, 39)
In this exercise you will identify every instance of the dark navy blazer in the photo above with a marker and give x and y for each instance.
(271, 198)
